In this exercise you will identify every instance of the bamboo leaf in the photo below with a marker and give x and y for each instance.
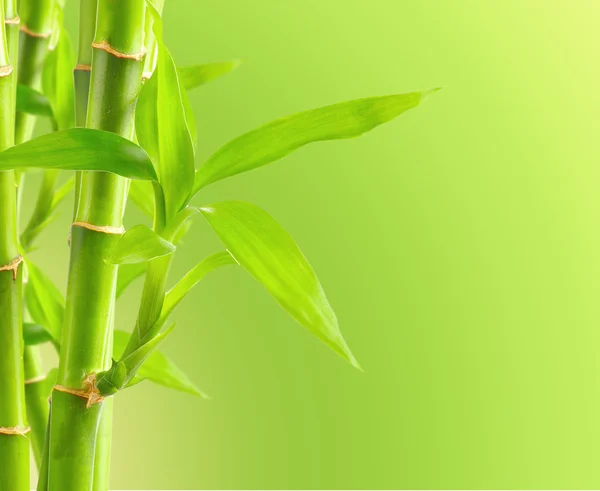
(36, 334)
(281, 137)
(192, 278)
(49, 198)
(45, 303)
(139, 244)
(129, 273)
(57, 80)
(157, 368)
(260, 245)
(31, 101)
(122, 371)
(197, 75)
(81, 149)
(170, 144)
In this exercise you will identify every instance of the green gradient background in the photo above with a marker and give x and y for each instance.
(459, 245)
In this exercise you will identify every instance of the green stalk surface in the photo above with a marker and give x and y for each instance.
(37, 19)
(14, 449)
(114, 88)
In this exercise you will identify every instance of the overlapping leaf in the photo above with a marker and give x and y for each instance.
(170, 143)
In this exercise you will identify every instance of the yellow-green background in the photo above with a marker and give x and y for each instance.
(459, 245)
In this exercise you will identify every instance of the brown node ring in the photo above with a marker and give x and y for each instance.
(35, 380)
(14, 430)
(13, 266)
(82, 67)
(14, 20)
(104, 46)
(90, 393)
(104, 229)
(40, 35)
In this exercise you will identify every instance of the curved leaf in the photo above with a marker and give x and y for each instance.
(170, 143)
(81, 149)
(279, 138)
(191, 279)
(260, 245)
(31, 101)
(139, 244)
(127, 274)
(36, 334)
(194, 76)
(45, 303)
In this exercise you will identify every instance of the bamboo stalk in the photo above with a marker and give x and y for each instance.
(114, 88)
(36, 28)
(14, 443)
(37, 18)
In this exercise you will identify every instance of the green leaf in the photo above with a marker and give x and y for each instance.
(169, 143)
(57, 80)
(129, 273)
(81, 149)
(194, 76)
(122, 371)
(281, 137)
(140, 192)
(31, 101)
(45, 303)
(139, 244)
(157, 368)
(191, 279)
(260, 245)
(49, 198)
(35, 334)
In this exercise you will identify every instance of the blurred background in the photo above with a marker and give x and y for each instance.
(459, 246)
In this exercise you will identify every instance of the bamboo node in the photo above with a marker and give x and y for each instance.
(13, 266)
(5, 71)
(104, 46)
(35, 380)
(41, 35)
(90, 393)
(82, 67)
(105, 229)
(14, 430)
(14, 20)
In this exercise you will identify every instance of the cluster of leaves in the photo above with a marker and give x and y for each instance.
(165, 181)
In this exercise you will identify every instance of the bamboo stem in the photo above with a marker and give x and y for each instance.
(36, 26)
(36, 399)
(114, 88)
(37, 18)
(14, 447)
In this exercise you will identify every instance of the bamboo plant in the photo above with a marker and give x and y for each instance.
(123, 130)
